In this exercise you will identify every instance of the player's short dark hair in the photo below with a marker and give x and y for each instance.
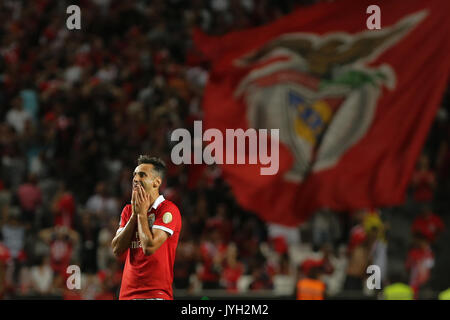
(159, 166)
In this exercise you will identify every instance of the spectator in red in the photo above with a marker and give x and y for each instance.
(61, 241)
(63, 207)
(419, 262)
(30, 197)
(307, 265)
(232, 269)
(109, 279)
(357, 233)
(279, 244)
(69, 294)
(423, 181)
(324, 264)
(262, 277)
(428, 224)
(4, 258)
(212, 251)
(105, 293)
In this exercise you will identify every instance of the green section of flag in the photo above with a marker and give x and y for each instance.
(354, 79)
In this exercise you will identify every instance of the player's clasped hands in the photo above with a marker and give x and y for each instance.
(140, 199)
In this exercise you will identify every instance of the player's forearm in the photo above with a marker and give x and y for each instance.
(122, 240)
(145, 235)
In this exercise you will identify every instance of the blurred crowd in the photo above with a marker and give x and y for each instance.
(78, 107)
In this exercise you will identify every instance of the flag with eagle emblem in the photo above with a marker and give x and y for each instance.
(353, 105)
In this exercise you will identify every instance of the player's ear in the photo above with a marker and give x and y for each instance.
(157, 182)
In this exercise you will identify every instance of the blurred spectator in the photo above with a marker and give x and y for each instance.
(261, 279)
(370, 221)
(186, 261)
(24, 285)
(325, 228)
(13, 232)
(105, 236)
(221, 222)
(5, 197)
(88, 233)
(419, 262)
(198, 219)
(310, 287)
(212, 251)
(101, 204)
(30, 100)
(428, 224)
(360, 258)
(232, 269)
(61, 242)
(91, 286)
(17, 116)
(105, 292)
(30, 197)
(69, 294)
(63, 207)
(379, 254)
(285, 266)
(38, 166)
(109, 278)
(423, 181)
(4, 259)
(357, 232)
(324, 264)
(262, 273)
(42, 276)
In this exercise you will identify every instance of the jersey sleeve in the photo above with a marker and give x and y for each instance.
(124, 217)
(168, 219)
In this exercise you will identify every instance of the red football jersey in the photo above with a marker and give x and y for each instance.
(428, 226)
(147, 277)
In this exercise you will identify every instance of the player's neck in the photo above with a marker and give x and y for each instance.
(153, 197)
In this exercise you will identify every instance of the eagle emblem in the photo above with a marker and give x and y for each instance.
(321, 91)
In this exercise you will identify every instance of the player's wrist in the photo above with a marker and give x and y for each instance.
(141, 212)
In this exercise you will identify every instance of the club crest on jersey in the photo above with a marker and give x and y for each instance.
(151, 219)
(321, 91)
(167, 217)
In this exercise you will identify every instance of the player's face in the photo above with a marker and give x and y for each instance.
(143, 175)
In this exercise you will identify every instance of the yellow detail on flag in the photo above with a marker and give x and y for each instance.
(310, 123)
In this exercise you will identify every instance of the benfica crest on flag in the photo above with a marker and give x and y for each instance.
(353, 106)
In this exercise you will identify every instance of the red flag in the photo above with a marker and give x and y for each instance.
(353, 105)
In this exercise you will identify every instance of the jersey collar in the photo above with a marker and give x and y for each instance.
(157, 202)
